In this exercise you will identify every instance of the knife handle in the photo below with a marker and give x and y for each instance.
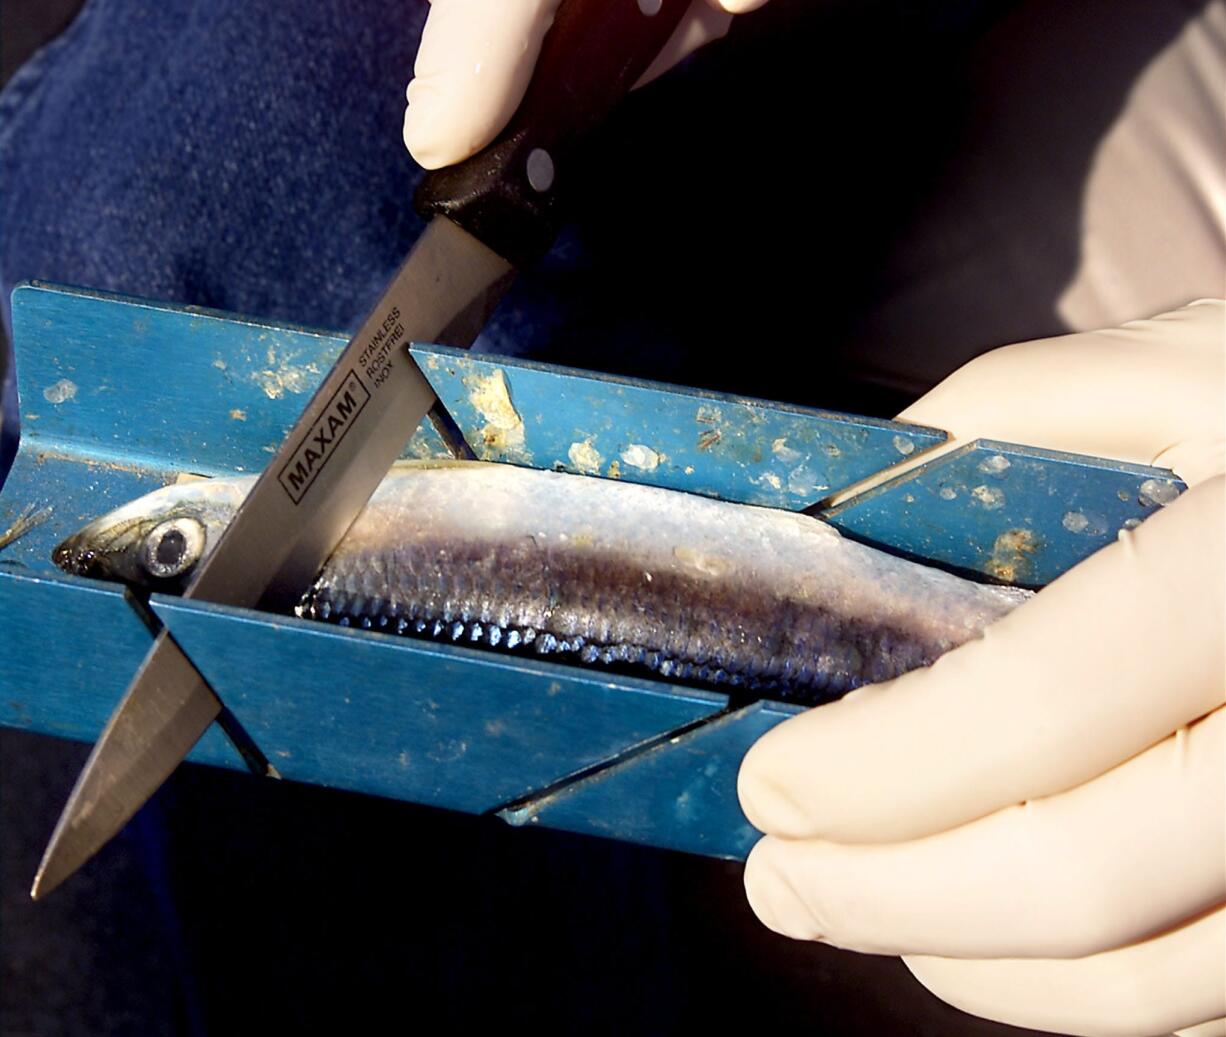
(507, 195)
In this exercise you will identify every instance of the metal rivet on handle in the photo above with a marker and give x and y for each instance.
(650, 7)
(540, 169)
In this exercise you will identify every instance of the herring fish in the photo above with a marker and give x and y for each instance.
(593, 570)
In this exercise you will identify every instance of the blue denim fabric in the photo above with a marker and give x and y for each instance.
(216, 152)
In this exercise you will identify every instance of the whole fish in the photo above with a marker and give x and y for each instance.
(593, 569)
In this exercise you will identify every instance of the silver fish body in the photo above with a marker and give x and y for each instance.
(596, 570)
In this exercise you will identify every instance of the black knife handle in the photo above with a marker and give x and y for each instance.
(507, 195)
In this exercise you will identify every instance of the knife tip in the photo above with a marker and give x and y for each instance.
(64, 855)
(50, 874)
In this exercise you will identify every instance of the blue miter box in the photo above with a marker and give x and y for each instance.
(119, 396)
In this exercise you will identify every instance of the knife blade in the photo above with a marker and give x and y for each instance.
(497, 211)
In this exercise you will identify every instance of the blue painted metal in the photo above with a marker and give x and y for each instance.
(142, 382)
(731, 447)
(678, 794)
(70, 648)
(1017, 514)
(440, 724)
(119, 396)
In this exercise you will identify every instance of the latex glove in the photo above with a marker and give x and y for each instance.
(1037, 822)
(476, 58)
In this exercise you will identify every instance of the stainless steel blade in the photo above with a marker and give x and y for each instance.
(346, 440)
(163, 714)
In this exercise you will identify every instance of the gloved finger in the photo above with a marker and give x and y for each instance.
(1212, 1028)
(476, 59)
(473, 65)
(1105, 864)
(1120, 651)
(706, 20)
(1173, 980)
(1149, 392)
(737, 6)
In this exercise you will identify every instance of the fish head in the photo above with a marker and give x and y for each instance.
(158, 540)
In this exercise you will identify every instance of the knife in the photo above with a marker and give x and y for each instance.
(496, 212)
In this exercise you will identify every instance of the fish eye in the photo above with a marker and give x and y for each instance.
(172, 547)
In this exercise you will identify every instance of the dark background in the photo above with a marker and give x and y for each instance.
(233, 906)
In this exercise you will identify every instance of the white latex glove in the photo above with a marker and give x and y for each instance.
(476, 58)
(1037, 822)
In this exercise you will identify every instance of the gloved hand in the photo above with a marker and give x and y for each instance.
(476, 58)
(1037, 822)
